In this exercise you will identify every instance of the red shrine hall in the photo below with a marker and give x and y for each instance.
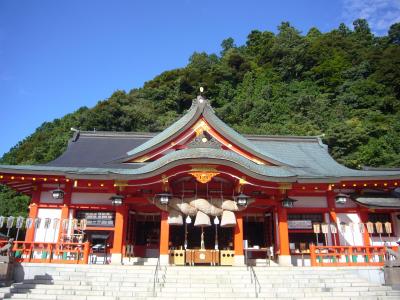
(201, 193)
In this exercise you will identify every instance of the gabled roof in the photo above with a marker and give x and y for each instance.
(200, 109)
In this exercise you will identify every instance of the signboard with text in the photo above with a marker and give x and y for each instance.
(299, 224)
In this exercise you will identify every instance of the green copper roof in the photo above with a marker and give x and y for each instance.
(200, 106)
(185, 122)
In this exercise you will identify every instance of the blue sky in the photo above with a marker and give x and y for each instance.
(56, 56)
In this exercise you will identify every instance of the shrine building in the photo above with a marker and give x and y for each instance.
(201, 187)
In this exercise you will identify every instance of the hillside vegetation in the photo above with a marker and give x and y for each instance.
(343, 84)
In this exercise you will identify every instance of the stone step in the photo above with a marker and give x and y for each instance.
(136, 282)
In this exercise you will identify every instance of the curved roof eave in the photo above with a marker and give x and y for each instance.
(188, 156)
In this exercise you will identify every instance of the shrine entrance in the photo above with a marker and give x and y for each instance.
(215, 237)
(258, 235)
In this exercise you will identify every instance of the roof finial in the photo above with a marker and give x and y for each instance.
(201, 90)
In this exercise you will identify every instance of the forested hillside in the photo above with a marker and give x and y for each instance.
(343, 84)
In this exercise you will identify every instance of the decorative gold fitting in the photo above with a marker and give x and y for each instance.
(204, 177)
(165, 183)
(199, 127)
(203, 174)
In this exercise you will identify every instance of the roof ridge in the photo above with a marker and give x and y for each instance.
(281, 137)
(118, 133)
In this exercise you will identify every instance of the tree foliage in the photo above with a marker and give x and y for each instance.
(344, 83)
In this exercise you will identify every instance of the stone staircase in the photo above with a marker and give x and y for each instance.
(276, 283)
(103, 282)
(82, 282)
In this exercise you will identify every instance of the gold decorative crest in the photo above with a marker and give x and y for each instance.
(204, 177)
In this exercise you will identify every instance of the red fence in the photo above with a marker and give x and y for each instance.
(329, 256)
(41, 252)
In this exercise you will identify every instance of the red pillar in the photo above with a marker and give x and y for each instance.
(121, 214)
(283, 231)
(33, 213)
(238, 238)
(164, 233)
(330, 197)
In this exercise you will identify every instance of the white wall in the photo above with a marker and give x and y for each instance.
(327, 220)
(51, 234)
(91, 198)
(310, 202)
(350, 237)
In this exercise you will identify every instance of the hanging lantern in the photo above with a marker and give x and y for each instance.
(2, 219)
(341, 199)
(288, 202)
(242, 199)
(117, 200)
(57, 193)
(164, 198)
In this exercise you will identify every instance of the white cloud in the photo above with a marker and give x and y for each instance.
(380, 14)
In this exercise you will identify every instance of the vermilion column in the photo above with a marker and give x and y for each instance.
(121, 214)
(364, 219)
(283, 231)
(238, 239)
(164, 233)
(33, 213)
(330, 198)
(284, 251)
(164, 238)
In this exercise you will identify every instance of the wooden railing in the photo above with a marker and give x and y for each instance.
(41, 252)
(329, 256)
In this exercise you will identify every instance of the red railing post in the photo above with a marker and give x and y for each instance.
(313, 257)
(350, 255)
(86, 250)
(49, 249)
(31, 253)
